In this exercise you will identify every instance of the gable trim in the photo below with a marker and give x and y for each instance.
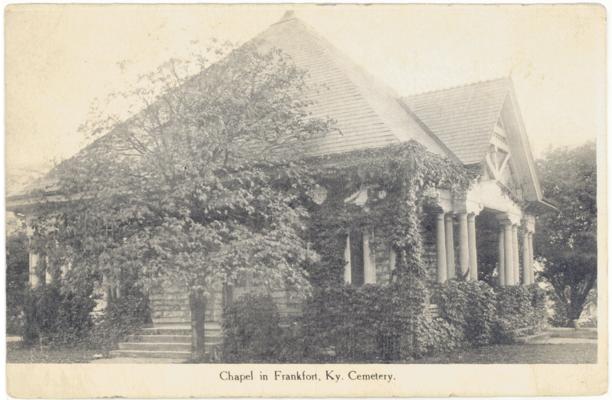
(526, 147)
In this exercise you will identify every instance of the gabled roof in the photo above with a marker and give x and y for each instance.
(462, 117)
(367, 113)
(456, 122)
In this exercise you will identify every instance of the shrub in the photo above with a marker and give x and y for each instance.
(381, 323)
(477, 314)
(57, 315)
(367, 323)
(521, 310)
(16, 281)
(121, 317)
(481, 314)
(251, 329)
(469, 308)
(438, 335)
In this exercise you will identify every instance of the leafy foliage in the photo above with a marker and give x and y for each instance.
(373, 323)
(57, 317)
(251, 329)
(388, 323)
(397, 179)
(16, 280)
(521, 310)
(470, 307)
(568, 250)
(121, 317)
(197, 188)
(205, 185)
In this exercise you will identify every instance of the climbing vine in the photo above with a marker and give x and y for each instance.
(397, 180)
(387, 322)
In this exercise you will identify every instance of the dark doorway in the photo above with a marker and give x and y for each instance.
(487, 229)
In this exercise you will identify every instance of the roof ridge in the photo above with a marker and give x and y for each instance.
(287, 16)
(463, 85)
(374, 92)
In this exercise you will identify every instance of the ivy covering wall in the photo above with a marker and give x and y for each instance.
(397, 179)
(392, 321)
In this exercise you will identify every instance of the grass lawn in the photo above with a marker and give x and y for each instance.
(497, 354)
(519, 354)
(17, 353)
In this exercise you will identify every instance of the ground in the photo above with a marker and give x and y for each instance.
(17, 353)
(498, 354)
(519, 354)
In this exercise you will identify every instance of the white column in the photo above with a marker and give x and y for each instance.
(32, 268)
(107, 290)
(501, 272)
(33, 259)
(48, 277)
(473, 252)
(526, 263)
(369, 265)
(347, 260)
(464, 254)
(441, 248)
(450, 246)
(531, 260)
(508, 253)
(65, 268)
(515, 256)
(392, 257)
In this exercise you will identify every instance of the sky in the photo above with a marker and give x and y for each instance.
(59, 59)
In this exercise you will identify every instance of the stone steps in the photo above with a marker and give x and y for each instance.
(169, 297)
(169, 336)
(155, 346)
(178, 355)
(169, 307)
(177, 329)
(169, 300)
(170, 320)
(170, 313)
(159, 338)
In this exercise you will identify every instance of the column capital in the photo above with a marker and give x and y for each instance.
(529, 223)
(467, 204)
(442, 198)
(29, 229)
(509, 219)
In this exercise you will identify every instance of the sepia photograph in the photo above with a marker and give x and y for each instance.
(305, 194)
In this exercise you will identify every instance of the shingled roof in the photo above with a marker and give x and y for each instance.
(462, 117)
(456, 122)
(368, 114)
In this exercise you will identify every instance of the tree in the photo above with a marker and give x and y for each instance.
(567, 243)
(16, 278)
(199, 187)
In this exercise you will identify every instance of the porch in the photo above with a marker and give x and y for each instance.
(483, 235)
